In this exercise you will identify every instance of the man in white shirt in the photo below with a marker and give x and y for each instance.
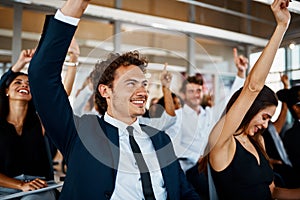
(197, 121)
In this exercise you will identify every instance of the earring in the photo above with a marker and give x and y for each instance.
(7, 95)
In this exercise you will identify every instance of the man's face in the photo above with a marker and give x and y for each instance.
(193, 95)
(128, 95)
(296, 109)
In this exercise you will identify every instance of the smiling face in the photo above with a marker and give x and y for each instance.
(193, 95)
(177, 103)
(128, 96)
(260, 120)
(19, 89)
(296, 111)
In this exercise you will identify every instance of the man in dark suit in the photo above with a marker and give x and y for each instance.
(99, 151)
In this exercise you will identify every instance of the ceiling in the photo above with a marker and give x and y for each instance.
(159, 27)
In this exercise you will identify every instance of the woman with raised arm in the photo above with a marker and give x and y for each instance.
(24, 161)
(238, 162)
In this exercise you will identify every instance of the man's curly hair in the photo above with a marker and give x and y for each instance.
(104, 73)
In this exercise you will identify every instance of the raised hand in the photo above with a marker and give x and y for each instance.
(281, 12)
(74, 8)
(241, 63)
(166, 77)
(285, 81)
(24, 58)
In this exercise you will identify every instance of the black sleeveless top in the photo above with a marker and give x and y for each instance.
(244, 178)
(25, 154)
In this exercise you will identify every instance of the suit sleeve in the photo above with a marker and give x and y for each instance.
(49, 96)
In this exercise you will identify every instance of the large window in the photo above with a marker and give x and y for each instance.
(295, 65)
(278, 67)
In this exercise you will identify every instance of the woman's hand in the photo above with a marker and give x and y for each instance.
(241, 63)
(24, 58)
(33, 185)
(281, 12)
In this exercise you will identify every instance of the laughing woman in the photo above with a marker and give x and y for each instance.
(240, 168)
(23, 153)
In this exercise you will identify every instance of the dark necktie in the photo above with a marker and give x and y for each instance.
(144, 171)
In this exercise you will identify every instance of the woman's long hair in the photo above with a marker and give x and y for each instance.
(265, 98)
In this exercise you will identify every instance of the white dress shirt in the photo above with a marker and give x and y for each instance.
(128, 180)
(67, 19)
(162, 123)
(195, 129)
(194, 133)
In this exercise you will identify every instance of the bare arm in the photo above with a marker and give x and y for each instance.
(24, 58)
(166, 78)
(73, 52)
(221, 139)
(284, 193)
(241, 63)
(8, 182)
(279, 123)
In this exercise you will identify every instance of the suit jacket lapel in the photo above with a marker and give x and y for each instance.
(112, 134)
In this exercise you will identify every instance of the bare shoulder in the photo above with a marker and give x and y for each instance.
(221, 156)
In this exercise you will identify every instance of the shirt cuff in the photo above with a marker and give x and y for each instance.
(67, 19)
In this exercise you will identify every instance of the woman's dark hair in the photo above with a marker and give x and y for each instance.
(4, 101)
(265, 98)
(105, 71)
(160, 105)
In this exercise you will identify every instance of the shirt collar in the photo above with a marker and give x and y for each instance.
(121, 125)
(188, 109)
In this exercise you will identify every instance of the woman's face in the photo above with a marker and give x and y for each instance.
(177, 103)
(260, 120)
(19, 89)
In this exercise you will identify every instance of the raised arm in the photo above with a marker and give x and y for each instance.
(166, 78)
(221, 139)
(279, 123)
(73, 52)
(74, 8)
(24, 58)
(241, 63)
(45, 68)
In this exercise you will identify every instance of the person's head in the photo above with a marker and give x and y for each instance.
(122, 86)
(14, 88)
(207, 100)
(178, 102)
(192, 90)
(153, 101)
(292, 98)
(160, 105)
(259, 114)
